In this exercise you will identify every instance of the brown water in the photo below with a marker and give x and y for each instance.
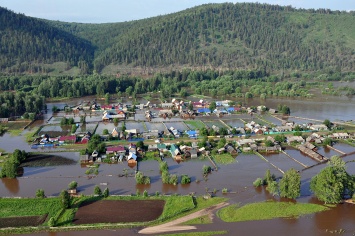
(237, 177)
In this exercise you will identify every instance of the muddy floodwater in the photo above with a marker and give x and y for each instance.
(236, 177)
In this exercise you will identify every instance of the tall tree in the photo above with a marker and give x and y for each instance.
(290, 184)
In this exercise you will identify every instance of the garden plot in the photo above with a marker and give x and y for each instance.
(282, 161)
(136, 125)
(195, 124)
(297, 155)
(177, 125)
(108, 126)
(273, 120)
(86, 128)
(327, 152)
(234, 123)
(155, 126)
(215, 123)
(55, 130)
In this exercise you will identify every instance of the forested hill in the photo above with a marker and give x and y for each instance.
(223, 36)
(27, 43)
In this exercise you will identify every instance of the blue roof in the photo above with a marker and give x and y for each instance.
(191, 132)
(230, 109)
(204, 110)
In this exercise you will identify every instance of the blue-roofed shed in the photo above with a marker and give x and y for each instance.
(230, 109)
(192, 133)
(203, 110)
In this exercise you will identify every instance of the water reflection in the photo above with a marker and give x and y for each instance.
(12, 185)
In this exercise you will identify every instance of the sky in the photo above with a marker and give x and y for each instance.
(105, 11)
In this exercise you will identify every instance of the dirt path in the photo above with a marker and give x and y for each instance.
(175, 224)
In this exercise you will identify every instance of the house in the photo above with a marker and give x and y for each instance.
(132, 158)
(162, 147)
(174, 149)
(229, 148)
(193, 153)
(203, 110)
(298, 139)
(115, 133)
(111, 115)
(318, 127)
(245, 141)
(283, 128)
(258, 131)
(152, 147)
(132, 131)
(192, 133)
(221, 150)
(167, 105)
(67, 139)
(116, 149)
(132, 148)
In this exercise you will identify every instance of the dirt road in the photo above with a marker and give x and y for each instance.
(175, 224)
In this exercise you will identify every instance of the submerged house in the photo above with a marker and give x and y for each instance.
(175, 152)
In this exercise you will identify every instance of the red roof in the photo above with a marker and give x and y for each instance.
(67, 138)
(115, 149)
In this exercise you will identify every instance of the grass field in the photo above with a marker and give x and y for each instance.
(207, 233)
(29, 207)
(224, 159)
(194, 124)
(200, 220)
(267, 210)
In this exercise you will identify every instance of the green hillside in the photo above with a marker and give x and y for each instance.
(28, 43)
(218, 36)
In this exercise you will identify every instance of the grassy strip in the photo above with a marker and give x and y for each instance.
(198, 221)
(207, 233)
(15, 132)
(151, 155)
(224, 159)
(29, 207)
(196, 124)
(267, 210)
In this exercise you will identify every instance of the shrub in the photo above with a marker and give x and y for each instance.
(73, 185)
(141, 178)
(145, 193)
(224, 190)
(157, 194)
(40, 193)
(163, 166)
(138, 193)
(165, 177)
(258, 182)
(106, 193)
(173, 179)
(185, 179)
(97, 190)
(105, 132)
(51, 222)
(206, 169)
(65, 199)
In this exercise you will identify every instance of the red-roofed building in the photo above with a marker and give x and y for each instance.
(116, 149)
(67, 139)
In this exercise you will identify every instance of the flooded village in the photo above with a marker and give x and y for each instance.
(173, 131)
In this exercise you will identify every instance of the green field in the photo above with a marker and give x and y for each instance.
(224, 159)
(195, 124)
(29, 207)
(267, 210)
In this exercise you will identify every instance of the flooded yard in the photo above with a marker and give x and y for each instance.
(235, 123)
(109, 126)
(296, 154)
(155, 126)
(283, 162)
(177, 125)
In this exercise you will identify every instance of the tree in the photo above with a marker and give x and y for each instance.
(268, 178)
(105, 132)
(65, 199)
(73, 129)
(212, 106)
(185, 179)
(258, 182)
(73, 185)
(332, 182)
(327, 123)
(106, 193)
(269, 143)
(40, 193)
(272, 187)
(191, 106)
(290, 184)
(206, 169)
(222, 142)
(223, 131)
(83, 120)
(280, 138)
(97, 191)
(145, 193)
(140, 144)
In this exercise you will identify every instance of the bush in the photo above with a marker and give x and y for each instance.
(106, 193)
(65, 199)
(51, 222)
(145, 193)
(258, 182)
(73, 185)
(157, 193)
(206, 169)
(105, 132)
(224, 190)
(163, 166)
(141, 178)
(97, 190)
(138, 193)
(185, 179)
(40, 193)
(173, 179)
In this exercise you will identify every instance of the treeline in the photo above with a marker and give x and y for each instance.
(237, 36)
(16, 104)
(27, 43)
(224, 36)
